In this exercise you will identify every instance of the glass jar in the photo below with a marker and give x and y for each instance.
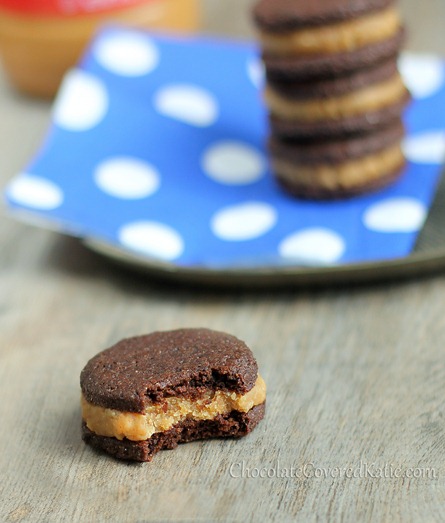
(41, 39)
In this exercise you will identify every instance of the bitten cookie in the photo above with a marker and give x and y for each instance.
(153, 392)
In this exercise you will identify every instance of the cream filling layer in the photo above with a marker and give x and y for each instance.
(160, 417)
(334, 38)
(344, 175)
(361, 101)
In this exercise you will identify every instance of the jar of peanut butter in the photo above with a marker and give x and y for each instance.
(41, 39)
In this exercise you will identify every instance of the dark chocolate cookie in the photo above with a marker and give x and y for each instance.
(338, 85)
(337, 150)
(286, 15)
(323, 66)
(317, 193)
(329, 129)
(143, 369)
(152, 392)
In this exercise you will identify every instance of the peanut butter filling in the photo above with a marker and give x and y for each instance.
(345, 175)
(364, 100)
(160, 417)
(334, 38)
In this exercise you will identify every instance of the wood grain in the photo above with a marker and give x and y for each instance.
(354, 374)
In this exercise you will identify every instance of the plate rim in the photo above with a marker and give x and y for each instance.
(417, 263)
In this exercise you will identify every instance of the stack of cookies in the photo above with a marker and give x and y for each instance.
(334, 94)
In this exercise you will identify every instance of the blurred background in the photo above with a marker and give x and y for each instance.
(25, 119)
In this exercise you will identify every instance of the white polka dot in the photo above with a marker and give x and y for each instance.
(243, 222)
(233, 163)
(82, 102)
(188, 104)
(127, 54)
(35, 192)
(427, 147)
(424, 75)
(127, 178)
(255, 71)
(152, 239)
(395, 215)
(313, 246)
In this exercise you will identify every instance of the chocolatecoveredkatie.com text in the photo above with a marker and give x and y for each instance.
(312, 470)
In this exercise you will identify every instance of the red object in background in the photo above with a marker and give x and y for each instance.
(41, 39)
(66, 7)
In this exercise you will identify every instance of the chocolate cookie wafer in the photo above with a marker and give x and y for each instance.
(338, 105)
(324, 27)
(325, 65)
(350, 126)
(339, 168)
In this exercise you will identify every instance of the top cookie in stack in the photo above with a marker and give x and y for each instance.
(334, 93)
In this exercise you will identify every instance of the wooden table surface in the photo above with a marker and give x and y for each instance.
(356, 376)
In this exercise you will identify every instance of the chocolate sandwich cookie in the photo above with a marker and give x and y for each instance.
(369, 90)
(339, 168)
(280, 16)
(318, 66)
(152, 392)
(334, 94)
(334, 86)
(354, 124)
(289, 27)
